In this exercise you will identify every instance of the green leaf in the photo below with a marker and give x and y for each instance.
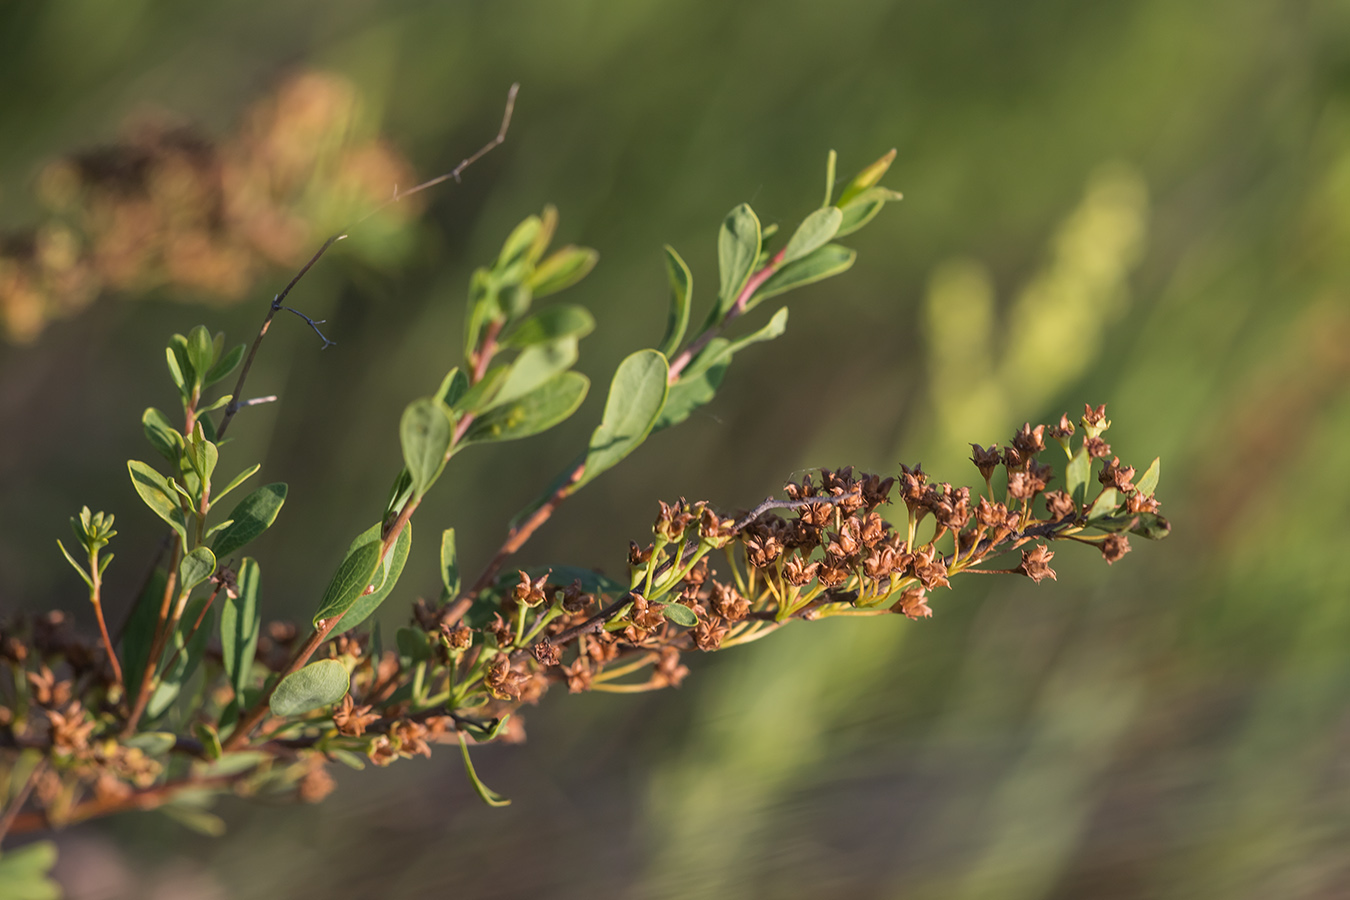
(548, 225)
(680, 615)
(317, 685)
(195, 818)
(815, 231)
(775, 327)
(176, 369)
(1076, 474)
(239, 479)
(251, 517)
(454, 385)
(152, 743)
(863, 208)
(636, 395)
(139, 633)
(426, 430)
(1105, 504)
(386, 576)
(346, 757)
(824, 262)
(830, 162)
(867, 178)
(518, 244)
(203, 456)
(161, 434)
(210, 739)
(159, 495)
(74, 565)
(562, 320)
(351, 578)
(681, 292)
(240, 625)
(449, 563)
(1151, 526)
(1148, 482)
(25, 873)
(536, 365)
(224, 367)
(737, 249)
(195, 568)
(233, 763)
(485, 793)
(537, 411)
(201, 352)
(562, 270)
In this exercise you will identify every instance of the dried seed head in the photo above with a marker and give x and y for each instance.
(985, 460)
(1029, 441)
(1114, 547)
(1036, 563)
(1114, 476)
(913, 603)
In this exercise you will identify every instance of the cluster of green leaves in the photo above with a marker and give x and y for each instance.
(169, 629)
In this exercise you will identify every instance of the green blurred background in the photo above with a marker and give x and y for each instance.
(1139, 203)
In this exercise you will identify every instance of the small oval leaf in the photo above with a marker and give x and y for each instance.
(426, 430)
(562, 270)
(350, 580)
(738, 243)
(815, 231)
(824, 262)
(385, 578)
(195, 568)
(681, 292)
(679, 614)
(240, 624)
(250, 517)
(636, 395)
(158, 494)
(318, 684)
(537, 411)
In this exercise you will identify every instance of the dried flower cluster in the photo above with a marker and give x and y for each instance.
(170, 206)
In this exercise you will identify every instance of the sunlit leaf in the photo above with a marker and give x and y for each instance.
(738, 243)
(425, 431)
(159, 495)
(636, 395)
(318, 684)
(536, 365)
(681, 292)
(815, 231)
(354, 573)
(240, 625)
(537, 411)
(824, 262)
(1148, 482)
(384, 579)
(161, 434)
(562, 269)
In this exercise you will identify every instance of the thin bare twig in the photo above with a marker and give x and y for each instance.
(235, 405)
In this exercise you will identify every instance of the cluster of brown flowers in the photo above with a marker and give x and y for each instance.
(462, 677)
(169, 206)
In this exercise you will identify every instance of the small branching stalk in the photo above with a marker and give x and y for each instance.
(200, 698)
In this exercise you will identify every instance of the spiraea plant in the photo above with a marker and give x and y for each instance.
(200, 698)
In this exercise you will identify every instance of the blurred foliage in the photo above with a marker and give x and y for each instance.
(1170, 730)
